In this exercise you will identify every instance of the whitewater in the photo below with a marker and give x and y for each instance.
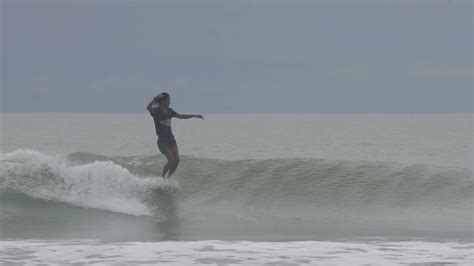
(250, 189)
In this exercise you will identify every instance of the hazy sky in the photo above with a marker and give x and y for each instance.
(237, 56)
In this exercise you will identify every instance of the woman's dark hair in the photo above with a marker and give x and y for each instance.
(162, 96)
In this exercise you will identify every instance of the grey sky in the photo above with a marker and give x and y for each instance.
(237, 56)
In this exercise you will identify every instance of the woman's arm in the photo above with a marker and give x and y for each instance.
(149, 107)
(182, 116)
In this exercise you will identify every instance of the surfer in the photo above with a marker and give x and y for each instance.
(162, 114)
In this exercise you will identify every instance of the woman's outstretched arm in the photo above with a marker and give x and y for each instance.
(183, 116)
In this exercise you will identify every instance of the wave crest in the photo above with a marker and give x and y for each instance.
(99, 184)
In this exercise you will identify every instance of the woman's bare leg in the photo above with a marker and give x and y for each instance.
(173, 167)
(166, 168)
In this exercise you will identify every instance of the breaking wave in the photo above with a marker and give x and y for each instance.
(300, 195)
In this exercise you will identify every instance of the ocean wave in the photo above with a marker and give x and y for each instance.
(312, 180)
(300, 197)
(99, 184)
(82, 175)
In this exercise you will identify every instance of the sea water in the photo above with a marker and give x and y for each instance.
(284, 189)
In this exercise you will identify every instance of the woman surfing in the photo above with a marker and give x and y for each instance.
(162, 114)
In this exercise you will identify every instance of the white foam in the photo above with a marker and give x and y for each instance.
(101, 184)
(235, 253)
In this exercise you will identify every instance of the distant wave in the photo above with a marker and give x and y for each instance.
(364, 194)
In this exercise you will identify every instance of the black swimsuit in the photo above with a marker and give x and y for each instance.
(163, 128)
